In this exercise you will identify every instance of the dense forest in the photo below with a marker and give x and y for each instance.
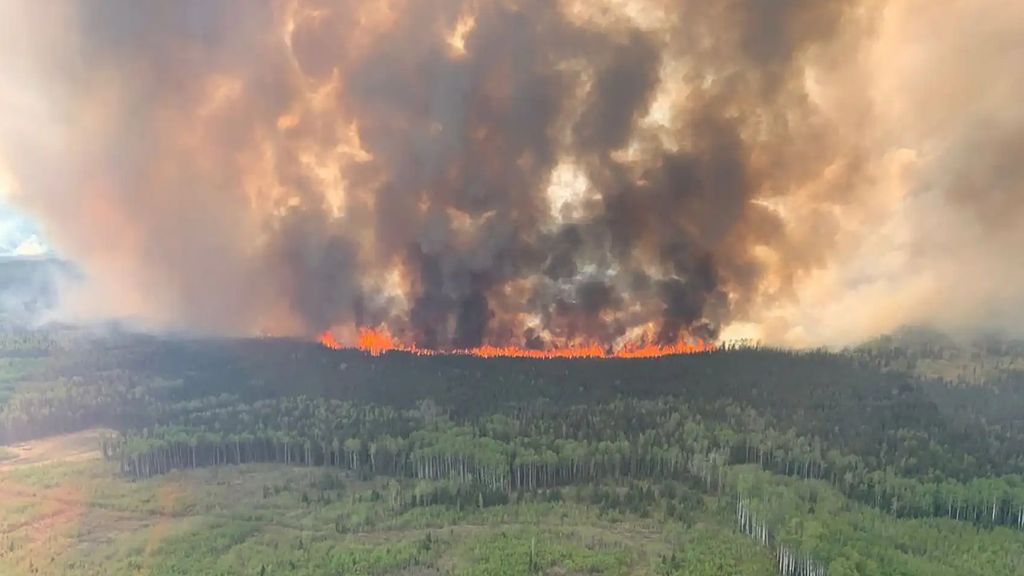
(864, 422)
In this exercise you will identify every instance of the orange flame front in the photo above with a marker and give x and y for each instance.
(327, 340)
(376, 342)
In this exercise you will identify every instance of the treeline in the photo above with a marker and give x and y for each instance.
(789, 562)
(526, 424)
(540, 446)
(27, 344)
(845, 402)
(115, 399)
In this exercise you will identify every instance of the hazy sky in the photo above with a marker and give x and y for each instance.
(801, 171)
(19, 236)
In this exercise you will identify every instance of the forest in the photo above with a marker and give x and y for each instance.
(761, 440)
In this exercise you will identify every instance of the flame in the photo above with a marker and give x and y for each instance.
(378, 341)
(327, 340)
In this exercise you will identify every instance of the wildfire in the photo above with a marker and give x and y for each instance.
(327, 340)
(378, 341)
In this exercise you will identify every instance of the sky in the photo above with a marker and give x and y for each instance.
(535, 172)
(19, 236)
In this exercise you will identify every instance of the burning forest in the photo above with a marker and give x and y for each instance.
(477, 287)
(524, 176)
(378, 341)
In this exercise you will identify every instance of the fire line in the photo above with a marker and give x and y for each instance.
(377, 342)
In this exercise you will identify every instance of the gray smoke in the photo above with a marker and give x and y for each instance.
(514, 172)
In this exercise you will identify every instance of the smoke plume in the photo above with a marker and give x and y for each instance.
(527, 172)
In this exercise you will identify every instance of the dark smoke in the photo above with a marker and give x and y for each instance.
(332, 163)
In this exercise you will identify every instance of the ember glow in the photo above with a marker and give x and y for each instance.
(378, 341)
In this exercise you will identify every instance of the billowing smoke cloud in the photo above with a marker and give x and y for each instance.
(523, 172)
(29, 288)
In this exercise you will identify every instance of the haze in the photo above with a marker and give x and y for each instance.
(532, 173)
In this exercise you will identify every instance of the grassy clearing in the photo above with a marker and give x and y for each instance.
(712, 550)
(527, 551)
(81, 518)
(80, 447)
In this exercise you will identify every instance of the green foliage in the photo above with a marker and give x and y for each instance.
(216, 521)
(713, 551)
(856, 539)
(279, 457)
(200, 551)
(528, 551)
